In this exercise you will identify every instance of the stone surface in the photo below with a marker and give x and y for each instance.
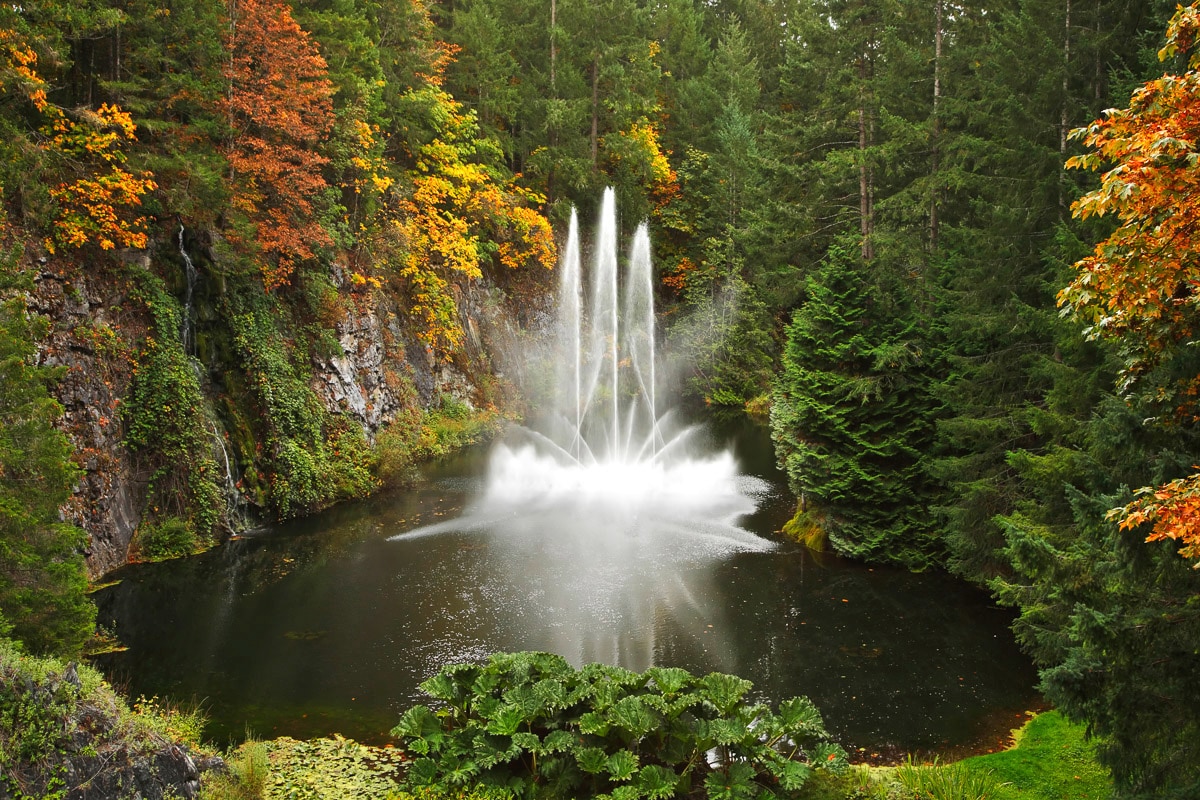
(92, 324)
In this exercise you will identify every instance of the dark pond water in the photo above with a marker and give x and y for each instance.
(323, 625)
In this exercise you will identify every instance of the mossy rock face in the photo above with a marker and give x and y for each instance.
(65, 734)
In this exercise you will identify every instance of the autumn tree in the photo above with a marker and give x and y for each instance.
(79, 156)
(279, 110)
(1141, 285)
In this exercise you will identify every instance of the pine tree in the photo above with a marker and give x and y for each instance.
(851, 415)
(43, 582)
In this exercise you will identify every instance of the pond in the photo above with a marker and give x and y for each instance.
(324, 625)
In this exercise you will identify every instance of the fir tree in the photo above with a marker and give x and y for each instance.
(852, 415)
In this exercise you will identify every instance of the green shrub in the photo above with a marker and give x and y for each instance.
(168, 538)
(529, 725)
(33, 706)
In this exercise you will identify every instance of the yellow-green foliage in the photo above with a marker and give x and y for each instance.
(759, 406)
(436, 432)
(807, 527)
(247, 776)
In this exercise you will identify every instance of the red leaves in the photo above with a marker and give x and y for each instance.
(1141, 285)
(280, 108)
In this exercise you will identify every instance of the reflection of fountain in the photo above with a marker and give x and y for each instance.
(608, 510)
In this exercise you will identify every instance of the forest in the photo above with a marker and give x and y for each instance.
(947, 248)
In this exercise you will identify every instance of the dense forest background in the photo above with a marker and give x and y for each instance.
(862, 215)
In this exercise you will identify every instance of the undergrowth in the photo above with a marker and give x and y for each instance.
(420, 436)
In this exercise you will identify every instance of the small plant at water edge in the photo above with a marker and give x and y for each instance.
(946, 782)
(529, 725)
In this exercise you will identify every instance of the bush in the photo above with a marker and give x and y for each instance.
(169, 538)
(528, 725)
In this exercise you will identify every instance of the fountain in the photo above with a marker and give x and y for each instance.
(606, 461)
(606, 480)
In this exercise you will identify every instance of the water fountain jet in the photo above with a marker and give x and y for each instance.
(610, 462)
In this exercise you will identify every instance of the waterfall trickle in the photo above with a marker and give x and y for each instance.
(235, 504)
(187, 330)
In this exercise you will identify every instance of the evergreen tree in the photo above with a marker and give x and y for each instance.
(1111, 620)
(851, 415)
(43, 582)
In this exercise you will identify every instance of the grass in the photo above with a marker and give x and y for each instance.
(1052, 761)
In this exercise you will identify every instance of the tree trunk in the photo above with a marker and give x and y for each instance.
(1063, 130)
(935, 154)
(864, 172)
(595, 110)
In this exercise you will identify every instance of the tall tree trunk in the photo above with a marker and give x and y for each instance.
(595, 109)
(553, 47)
(935, 155)
(1098, 71)
(1063, 130)
(864, 173)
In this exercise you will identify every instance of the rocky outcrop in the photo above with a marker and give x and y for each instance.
(384, 369)
(65, 734)
(100, 317)
(92, 326)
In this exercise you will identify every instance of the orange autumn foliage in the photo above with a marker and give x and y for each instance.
(677, 279)
(97, 209)
(279, 109)
(100, 206)
(1141, 285)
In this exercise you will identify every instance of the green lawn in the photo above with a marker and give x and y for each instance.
(1051, 761)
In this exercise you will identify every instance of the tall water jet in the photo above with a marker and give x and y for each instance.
(605, 479)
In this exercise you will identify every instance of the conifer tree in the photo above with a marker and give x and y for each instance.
(851, 415)
(43, 582)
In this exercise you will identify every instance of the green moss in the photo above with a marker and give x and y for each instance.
(807, 526)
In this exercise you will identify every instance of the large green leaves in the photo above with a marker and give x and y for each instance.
(529, 724)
